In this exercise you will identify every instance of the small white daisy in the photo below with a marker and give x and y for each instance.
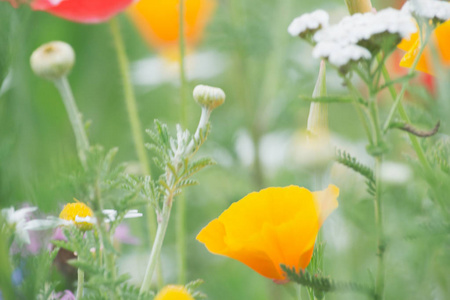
(428, 9)
(18, 219)
(309, 23)
(80, 215)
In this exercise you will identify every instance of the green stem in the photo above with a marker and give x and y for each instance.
(80, 283)
(373, 108)
(414, 140)
(157, 245)
(130, 99)
(360, 112)
(135, 123)
(82, 141)
(379, 283)
(181, 201)
(399, 96)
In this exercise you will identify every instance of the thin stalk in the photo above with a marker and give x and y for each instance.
(181, 201)
(379, 283)
(359, 111)
(399, 96)
(373, 108)
(135, 123)
(299, 292)
(157, 245)
(130, 99)
(82, 141)
(80, 284)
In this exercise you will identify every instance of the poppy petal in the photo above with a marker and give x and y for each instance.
(82, 11)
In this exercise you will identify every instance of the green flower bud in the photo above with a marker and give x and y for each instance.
(209, 97)
(52, 60)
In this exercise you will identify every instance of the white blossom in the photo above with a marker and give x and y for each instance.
(309, 22)
(18, 219)
(358, 27)
(340, 55)
(428, 9)
(110, 216)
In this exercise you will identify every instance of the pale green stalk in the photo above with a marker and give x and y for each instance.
(81, 139)
(157, 244)
(80, 284)
(379, 280)
(181, 201)
(135, 123)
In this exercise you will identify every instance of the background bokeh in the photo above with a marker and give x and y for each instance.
(263, 71)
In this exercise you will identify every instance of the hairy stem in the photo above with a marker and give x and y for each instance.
(82, 141)
(379, 283)
(80, 283)
(157, 244)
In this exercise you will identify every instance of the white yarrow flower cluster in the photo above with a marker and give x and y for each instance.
(428, 9)
(340, 56)
(354, 37)
(309, 22)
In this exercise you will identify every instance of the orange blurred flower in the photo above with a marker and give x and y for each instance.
(272, 227)
(158, 21)
(441, 41)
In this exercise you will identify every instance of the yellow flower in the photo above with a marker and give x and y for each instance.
(174, 292)
(441, 40)
(275, 226)
(158, 21)
(73, 212)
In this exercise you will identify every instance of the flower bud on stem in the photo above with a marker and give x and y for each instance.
(53, 61)
(358, 6)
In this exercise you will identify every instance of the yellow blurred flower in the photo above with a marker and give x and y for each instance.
(441, 41)
(158, 21)
(77, 213)
(275, 226)
(174, 292)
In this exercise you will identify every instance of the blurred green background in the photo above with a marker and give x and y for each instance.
(264, 72)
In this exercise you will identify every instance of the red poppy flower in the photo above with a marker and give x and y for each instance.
(82, 11)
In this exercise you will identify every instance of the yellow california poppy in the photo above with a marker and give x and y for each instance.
(441, 40)
(174, 292)
(158, 21)
(275, 226)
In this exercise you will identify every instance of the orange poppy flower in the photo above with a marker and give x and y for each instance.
(275, 226)
(441, 40)
(158, 21)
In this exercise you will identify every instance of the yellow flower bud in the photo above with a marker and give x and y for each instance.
(208, 96)
(52, 60)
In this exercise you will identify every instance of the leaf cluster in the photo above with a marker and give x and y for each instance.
(175, 160)
(322, 285)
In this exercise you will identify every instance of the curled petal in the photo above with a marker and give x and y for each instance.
(272, 227)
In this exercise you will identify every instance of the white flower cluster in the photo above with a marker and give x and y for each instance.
(343, 42)
(353, 38)
(428, 9)
(309, 22)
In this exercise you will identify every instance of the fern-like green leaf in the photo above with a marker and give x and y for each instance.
(351, 162)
